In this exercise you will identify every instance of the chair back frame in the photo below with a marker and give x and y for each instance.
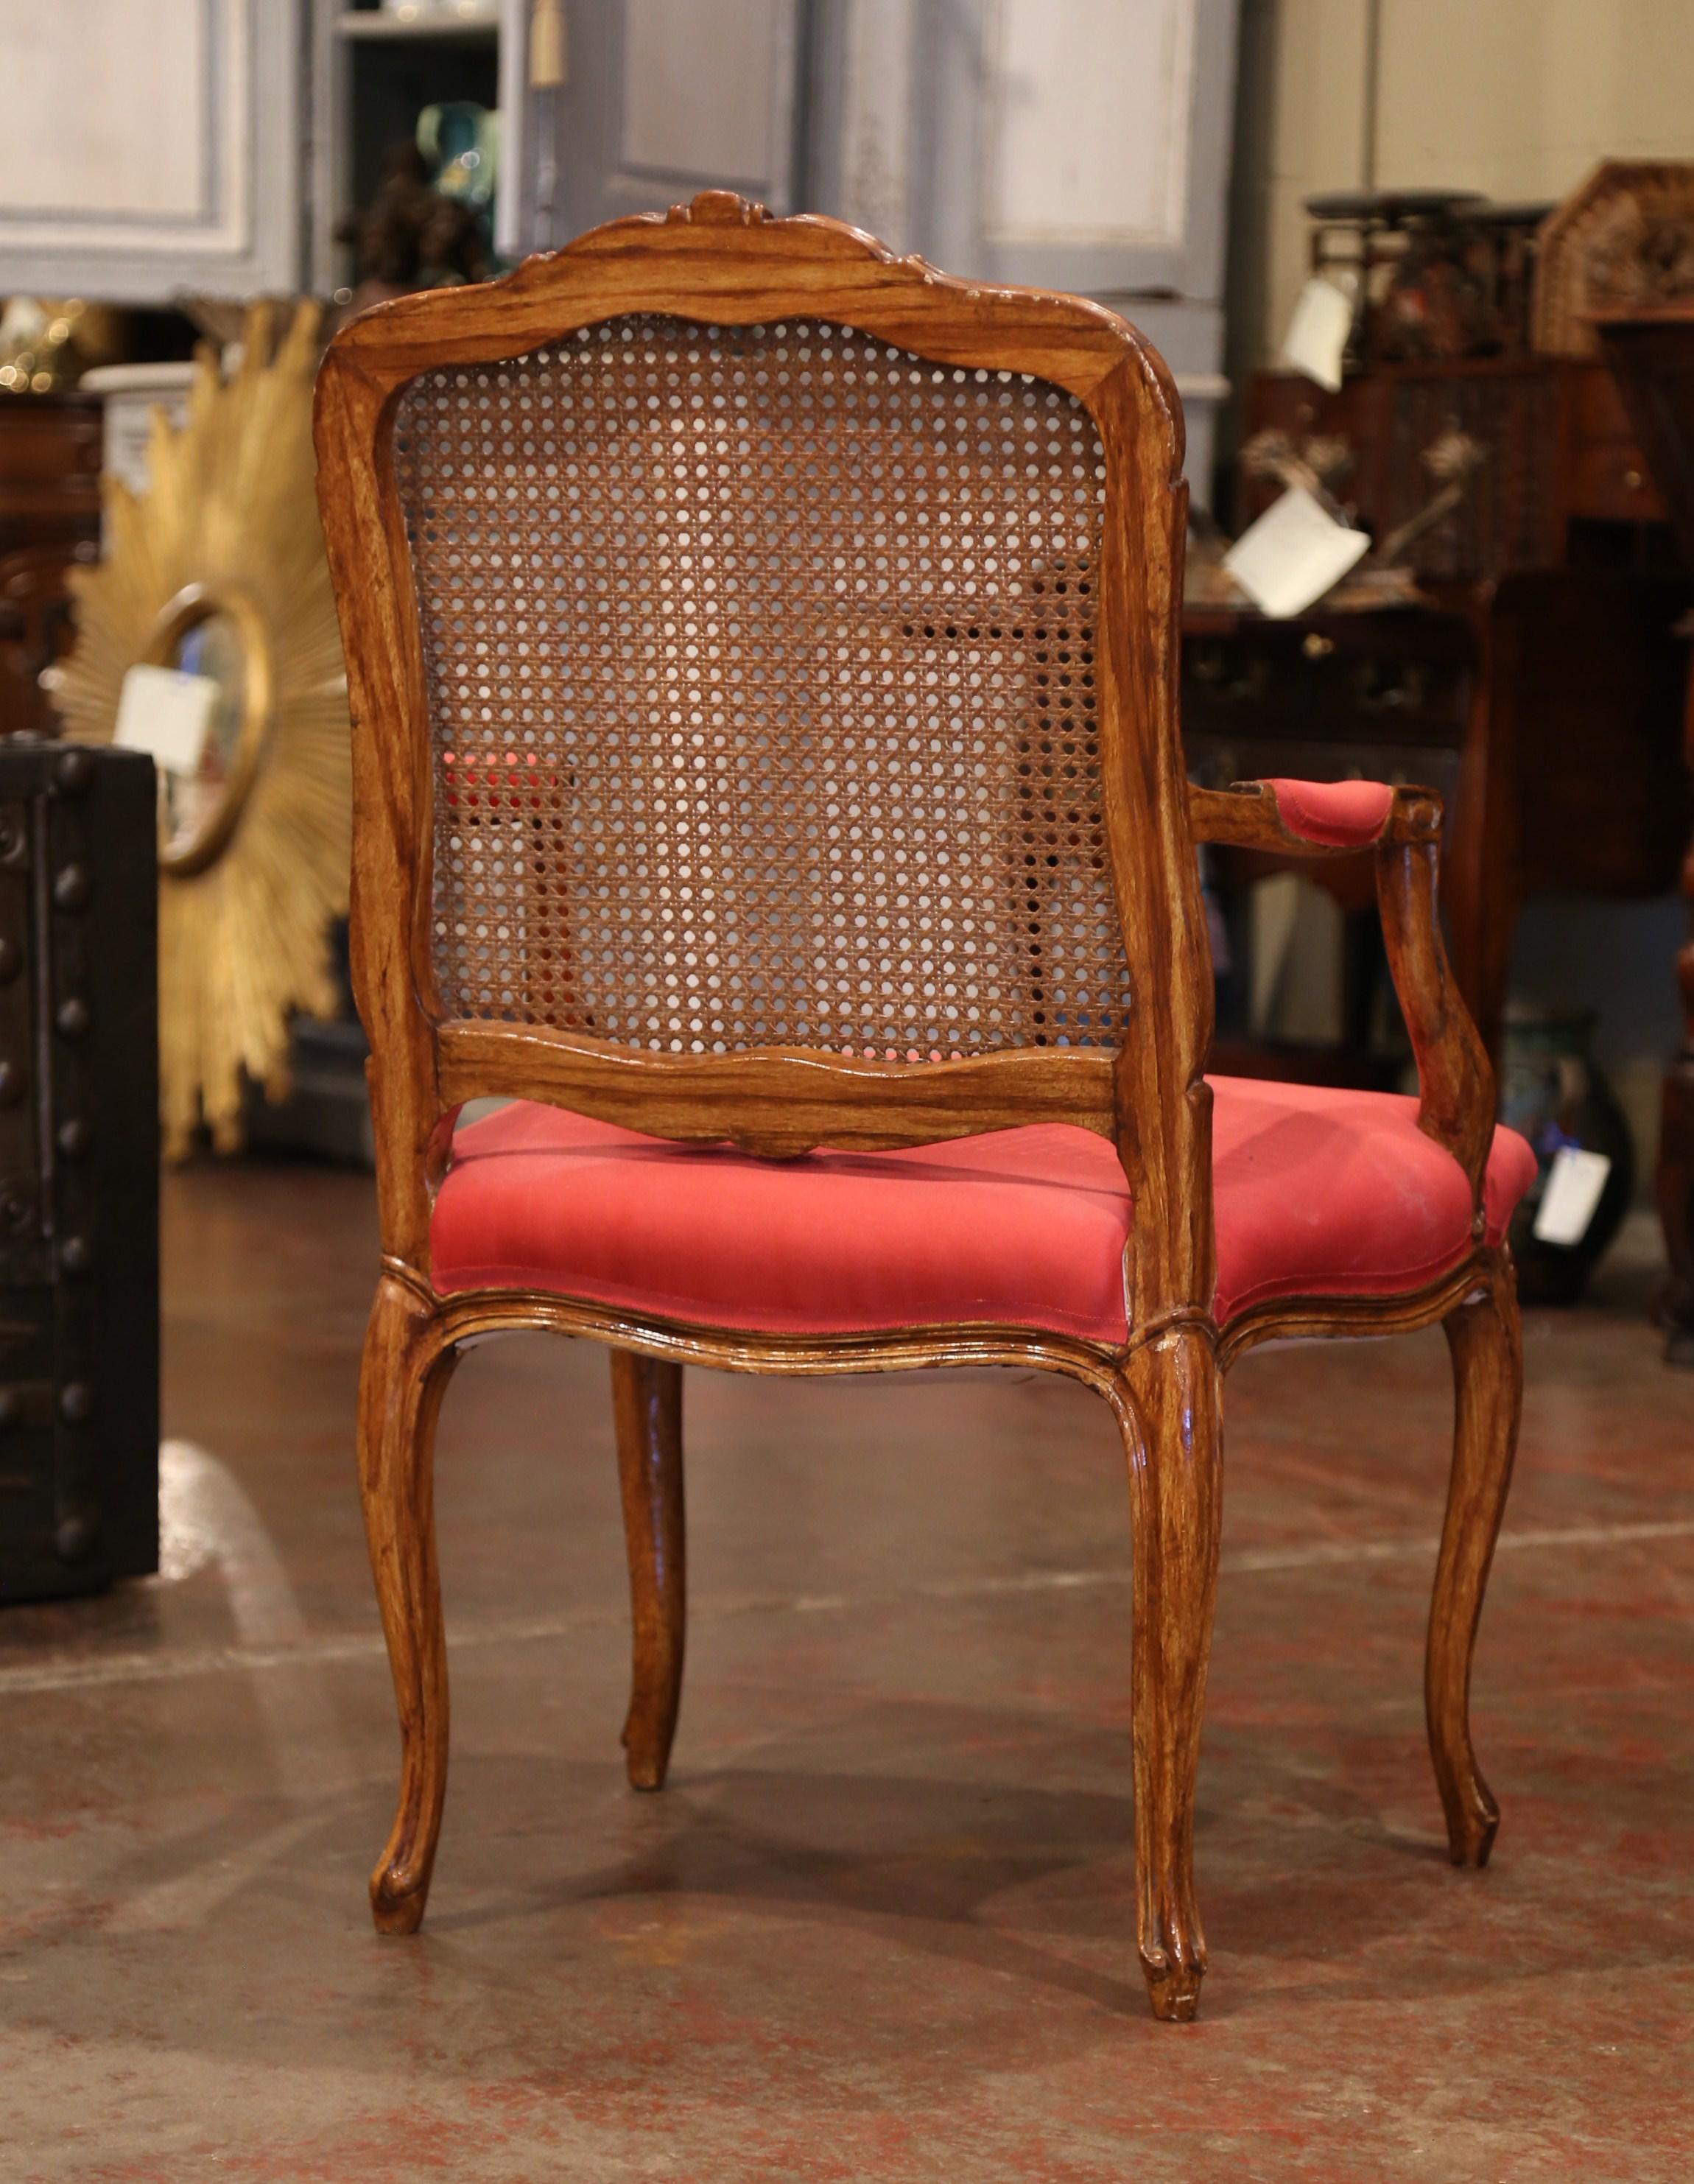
(722, 261)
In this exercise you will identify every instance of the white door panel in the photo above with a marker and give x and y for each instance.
(150, 145)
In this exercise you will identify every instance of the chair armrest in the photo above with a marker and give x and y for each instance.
(1299, 818)
(1403, 825)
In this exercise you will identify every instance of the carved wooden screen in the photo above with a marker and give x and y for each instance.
(762, 703)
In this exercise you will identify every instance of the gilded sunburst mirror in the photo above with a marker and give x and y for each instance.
(217, 571)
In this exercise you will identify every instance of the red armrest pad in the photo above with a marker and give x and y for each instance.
(1341, 815)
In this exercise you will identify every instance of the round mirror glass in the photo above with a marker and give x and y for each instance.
(192, 805)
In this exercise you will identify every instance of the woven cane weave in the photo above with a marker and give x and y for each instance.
(761, 692)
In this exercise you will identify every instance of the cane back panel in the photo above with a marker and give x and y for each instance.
(760, 678)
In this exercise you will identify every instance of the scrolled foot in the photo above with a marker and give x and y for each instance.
(398, 1898)
(646, 1754)
(1472, 1823)
(1173, 1985)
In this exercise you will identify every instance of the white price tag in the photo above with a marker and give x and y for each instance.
(1316, 335)
(1293, 554)
(1573, 1185)
(167, 714)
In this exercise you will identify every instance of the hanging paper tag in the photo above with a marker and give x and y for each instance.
(1573, 1185)
(1293, 554)
(166, 713)
(1316, 335)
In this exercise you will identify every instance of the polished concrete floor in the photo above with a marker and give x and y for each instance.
(881, 1924)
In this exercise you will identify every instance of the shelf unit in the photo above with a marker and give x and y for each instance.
(373, 73)
(377, 23)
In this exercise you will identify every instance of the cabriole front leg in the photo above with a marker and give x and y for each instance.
(1172, 1424)
(405, 1371)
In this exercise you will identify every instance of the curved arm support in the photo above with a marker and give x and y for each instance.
(1454, 1083)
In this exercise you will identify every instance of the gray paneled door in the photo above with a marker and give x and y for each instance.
(662, 98)
(1078, 144)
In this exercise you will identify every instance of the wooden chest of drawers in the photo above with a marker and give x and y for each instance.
(78, 1170)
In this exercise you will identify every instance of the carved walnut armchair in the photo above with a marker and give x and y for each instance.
(767, 779)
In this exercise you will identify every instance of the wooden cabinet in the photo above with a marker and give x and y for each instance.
(49, 520)
(1543, 690)
(1653, 358)
(1546, 707)
(49, 471)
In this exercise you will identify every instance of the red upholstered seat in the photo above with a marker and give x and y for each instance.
(1317, 1192)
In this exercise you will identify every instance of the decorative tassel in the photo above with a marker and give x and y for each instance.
(549, 67)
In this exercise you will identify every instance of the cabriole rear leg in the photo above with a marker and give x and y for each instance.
(646, 1403)
(1484, 1336)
